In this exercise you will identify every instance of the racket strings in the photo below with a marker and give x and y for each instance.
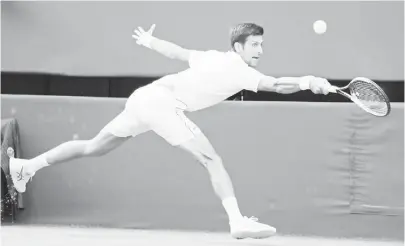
(370, 96)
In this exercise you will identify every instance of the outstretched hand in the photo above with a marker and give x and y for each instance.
(142, 37)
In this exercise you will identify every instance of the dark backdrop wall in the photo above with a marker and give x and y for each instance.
(49, 84)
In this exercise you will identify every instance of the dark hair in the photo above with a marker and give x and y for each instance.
(240, 32)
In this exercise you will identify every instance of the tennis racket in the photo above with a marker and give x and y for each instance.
(367, 95)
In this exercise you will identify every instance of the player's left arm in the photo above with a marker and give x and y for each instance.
(288, 85)
(163, 47)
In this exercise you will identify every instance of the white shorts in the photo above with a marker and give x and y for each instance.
(153, 108)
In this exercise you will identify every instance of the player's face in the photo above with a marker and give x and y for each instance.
(252, 50)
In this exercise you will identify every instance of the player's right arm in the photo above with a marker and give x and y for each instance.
(163, 47)
(255, 81)
(288, 85)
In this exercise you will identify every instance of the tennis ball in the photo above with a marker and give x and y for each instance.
(320, 26)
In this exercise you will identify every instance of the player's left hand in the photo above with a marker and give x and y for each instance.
(319, 86)
(142, 37)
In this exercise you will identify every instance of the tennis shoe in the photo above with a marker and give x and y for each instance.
(250, 228)
(18, 174)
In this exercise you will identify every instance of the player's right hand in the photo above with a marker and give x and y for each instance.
(319, 86)
(142, 37)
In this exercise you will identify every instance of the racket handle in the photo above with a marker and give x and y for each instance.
(333, 89)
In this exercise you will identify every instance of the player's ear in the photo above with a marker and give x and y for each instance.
(238, 47)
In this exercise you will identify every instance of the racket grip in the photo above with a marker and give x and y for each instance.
(332, 89)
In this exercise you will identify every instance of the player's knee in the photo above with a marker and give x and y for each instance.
(209, 159)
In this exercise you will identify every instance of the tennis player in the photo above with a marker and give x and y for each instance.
(212, 77)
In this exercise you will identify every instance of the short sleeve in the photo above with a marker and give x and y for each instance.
(250, 78)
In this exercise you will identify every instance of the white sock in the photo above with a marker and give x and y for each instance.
(231, 207)
(37, 163)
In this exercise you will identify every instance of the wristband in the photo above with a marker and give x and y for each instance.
(304, 82)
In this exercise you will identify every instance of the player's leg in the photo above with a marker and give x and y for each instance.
(22, 170)
(241, 227)
(202, 150)
(100, 145)
(120, 129)
(179, 131)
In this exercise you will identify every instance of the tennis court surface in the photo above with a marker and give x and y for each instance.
(17, 235)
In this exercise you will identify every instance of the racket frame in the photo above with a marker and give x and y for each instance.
(340, 90)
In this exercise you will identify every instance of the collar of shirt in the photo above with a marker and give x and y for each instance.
(236, 57)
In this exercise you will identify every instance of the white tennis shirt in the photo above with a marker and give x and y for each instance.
(213, 76)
